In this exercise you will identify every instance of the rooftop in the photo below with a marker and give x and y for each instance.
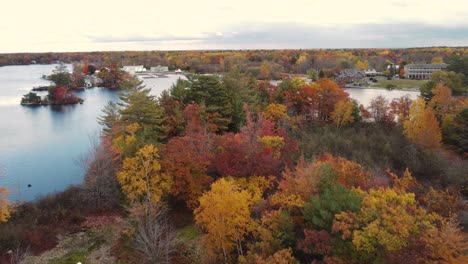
(435, 65)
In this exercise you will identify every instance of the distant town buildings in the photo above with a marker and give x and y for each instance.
(422, 71)
(350, 75)
(159, 68)
(134, 69)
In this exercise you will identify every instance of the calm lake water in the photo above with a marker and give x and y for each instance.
(41, 146)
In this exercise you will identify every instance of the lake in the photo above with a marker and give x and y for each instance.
(41, 145)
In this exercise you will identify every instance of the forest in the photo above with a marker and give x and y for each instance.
(235, 169)
(262, 64)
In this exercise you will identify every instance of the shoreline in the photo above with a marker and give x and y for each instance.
(382, 88)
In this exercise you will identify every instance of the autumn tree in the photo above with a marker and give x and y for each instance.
(343, 113)
(265, 72)
(173, 111)
(379, 110)
(437, 60)
(4, 204)
(422, 127)
(362, 65)
(328, 94)
(384, 223)
(187, 158)
(57, 93)
(399, 109)
(141, 178)
(275, 112)
(224, 214)
(441, 101)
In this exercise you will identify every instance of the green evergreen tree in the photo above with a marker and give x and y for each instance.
(139, 106)
(111, 116)
(208, 90)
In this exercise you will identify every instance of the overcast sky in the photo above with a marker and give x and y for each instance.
(88, 25)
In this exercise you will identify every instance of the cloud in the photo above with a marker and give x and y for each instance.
(225, 8)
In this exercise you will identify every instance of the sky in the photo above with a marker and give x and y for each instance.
(100, 25)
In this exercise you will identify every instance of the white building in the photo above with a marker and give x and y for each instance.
(134, 69)
(422, 71)
(159, 68)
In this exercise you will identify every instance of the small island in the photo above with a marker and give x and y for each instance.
(62, 82)
(58, 95)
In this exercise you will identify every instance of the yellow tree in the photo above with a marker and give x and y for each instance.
(422, 127)
(4, 204)
(224, 213)
(275, 112)
(265, 70)
(4, 212)
(384, 223)
(361, 65)
(343, 113)
(436, 60)
(140, 176)
(441, 101)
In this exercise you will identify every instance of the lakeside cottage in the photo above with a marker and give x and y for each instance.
(91, 81)
(422, 71)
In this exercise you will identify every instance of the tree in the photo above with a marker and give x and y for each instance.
(275, 112)
(265, 72)
(333, 199)
(242, 90)
(155, 236)
(313, 75)
(111, 117)
(58, 93)
(456, 132)
(426, 89)
(187, 159)
(139, 106)
(207, 91)
(224, 214)
(379, 110)
(437, 60)
(399, 109)
(343, 113)
(4, 204)
(441, 101)
(422, 127)
(100, 186)
(453, 80)
(384, 223)
(60, 76)
(328, 94)
(141, 179)
(362, 65)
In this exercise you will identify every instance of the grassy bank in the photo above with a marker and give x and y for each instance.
(398, 83)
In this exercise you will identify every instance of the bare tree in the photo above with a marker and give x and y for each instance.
(100, 186)
(155, 236)
(18, 255)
